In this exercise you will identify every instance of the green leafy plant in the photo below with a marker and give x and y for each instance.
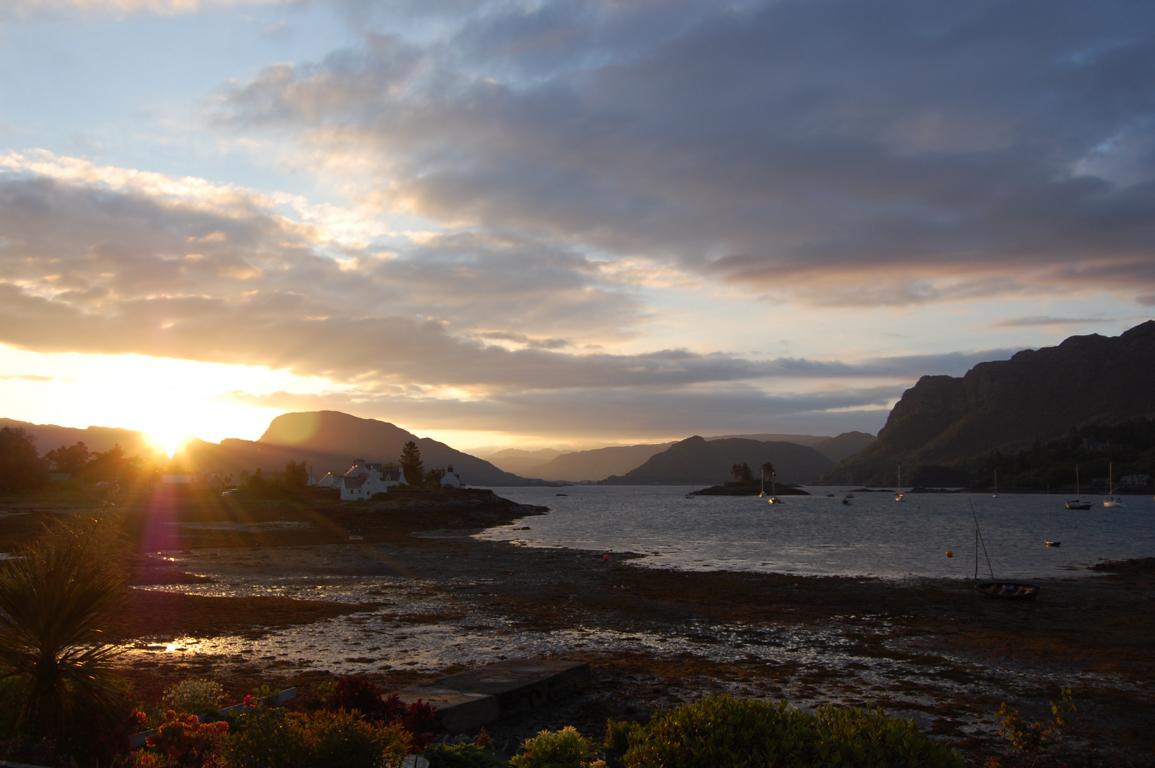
(345, 739)
(463, 756)
(557, 749)
(751, 733)
(196, 695)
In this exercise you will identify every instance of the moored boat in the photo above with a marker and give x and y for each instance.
(1010, 590)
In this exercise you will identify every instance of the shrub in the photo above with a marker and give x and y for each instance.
(1036, 736)
(556, 749)
(268, 737)
(265, 737)
(196, 695)
(742, 732)
(462, 756)
(344, 739)
(183, 741)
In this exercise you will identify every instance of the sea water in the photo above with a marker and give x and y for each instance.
(927, 535)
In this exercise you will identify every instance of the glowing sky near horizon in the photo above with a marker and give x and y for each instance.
(558, 224)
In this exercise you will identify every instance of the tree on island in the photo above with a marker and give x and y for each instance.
(411, 465)
(742, 473)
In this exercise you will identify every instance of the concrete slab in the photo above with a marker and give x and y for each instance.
(522, 684)
(457, 711)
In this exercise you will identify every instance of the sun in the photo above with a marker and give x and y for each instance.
(168, 440)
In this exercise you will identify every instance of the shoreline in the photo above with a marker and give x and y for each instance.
(416, 597)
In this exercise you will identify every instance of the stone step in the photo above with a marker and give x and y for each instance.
(468, 700)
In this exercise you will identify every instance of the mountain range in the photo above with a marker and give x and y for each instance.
(698, 461)
(942, 422)
(1006, 406)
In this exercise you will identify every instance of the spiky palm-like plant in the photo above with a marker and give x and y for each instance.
(53, 599)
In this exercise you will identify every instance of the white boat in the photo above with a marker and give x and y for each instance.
(1112, 500)
(1077, 502)
(995, 490)
(773, 499)
(898, 494)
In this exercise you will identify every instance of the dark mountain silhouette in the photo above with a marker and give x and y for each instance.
(698, 461)
(842, 447)
(330, 440)
(1036, 396)
(584, 466)
(46, 437)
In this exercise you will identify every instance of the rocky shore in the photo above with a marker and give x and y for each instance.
(931, 650)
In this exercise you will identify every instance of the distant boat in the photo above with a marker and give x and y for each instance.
(1052, 543)
(898, 494)
(995, 490)
(1077, 502)
(1111, 501)
(846, 500)
(773, 499)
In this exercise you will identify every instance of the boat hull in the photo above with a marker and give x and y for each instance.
(1007, 590)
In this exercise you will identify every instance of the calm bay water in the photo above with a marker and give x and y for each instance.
(818, 535)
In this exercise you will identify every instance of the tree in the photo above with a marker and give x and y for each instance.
(54, 599)
(21, 468)
(741, 473)
(71, 459)
(411, 465)
(296, 475)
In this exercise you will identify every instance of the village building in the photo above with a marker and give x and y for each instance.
(451, 479)
(365, 479)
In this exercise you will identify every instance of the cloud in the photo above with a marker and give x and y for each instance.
(619, 414)
(28, 7)
(905, 153)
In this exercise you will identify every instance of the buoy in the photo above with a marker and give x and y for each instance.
(950, 553)
(605, 557)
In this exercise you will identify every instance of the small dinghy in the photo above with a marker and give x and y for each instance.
(1052, 543)
(1012, 590)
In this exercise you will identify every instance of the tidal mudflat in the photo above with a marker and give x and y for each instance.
(407, 595)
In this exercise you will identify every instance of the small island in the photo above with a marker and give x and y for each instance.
(743, 483)
(748, 489)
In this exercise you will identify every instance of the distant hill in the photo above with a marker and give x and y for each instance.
(843, 446)
(98, 439)
(520, 461)
(834, 448)
(1035, 397)
(595, 464)
(697, 461)
(333, 439)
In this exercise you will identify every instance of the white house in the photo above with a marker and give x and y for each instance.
(451, 479)
(364, 479)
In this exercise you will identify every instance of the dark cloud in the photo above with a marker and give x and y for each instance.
(932, 151)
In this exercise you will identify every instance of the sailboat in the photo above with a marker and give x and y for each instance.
(1077, 502)
(773, 499)
(1007, 590)
(898, 494)
(1111, 501)
(762, 485)
(995, 492)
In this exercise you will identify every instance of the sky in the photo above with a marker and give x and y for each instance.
(564, 224)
